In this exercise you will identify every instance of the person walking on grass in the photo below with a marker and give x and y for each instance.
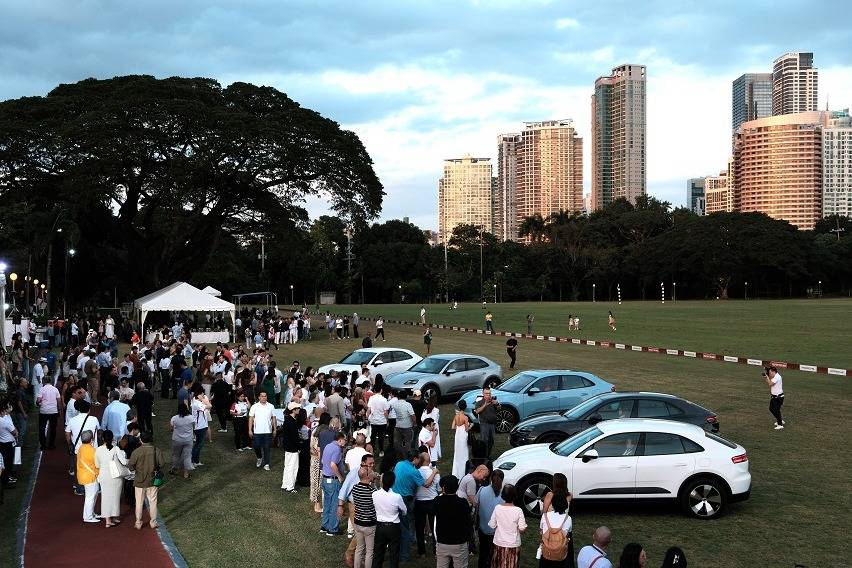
(380, 328)
(530, 320)
(427, 340)
(183, 428)
(611, 321)
(291, 445)
(262, 424)
(451, 514)
(489, 320)
(423, 315)
(390, 508)
(200, 409)
(144, 462)
(776, 394)
(508, 523)
(512, 350)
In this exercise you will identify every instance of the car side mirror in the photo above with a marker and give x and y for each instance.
(377, 363)
(534, 390)
(590, 455)
(595, 418)
(449, 372)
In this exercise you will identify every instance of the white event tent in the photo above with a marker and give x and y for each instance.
(212, 291)
(181, 296)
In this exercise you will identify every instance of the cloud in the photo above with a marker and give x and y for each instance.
(564, 23)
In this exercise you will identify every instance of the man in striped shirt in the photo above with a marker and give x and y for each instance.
(365, 518)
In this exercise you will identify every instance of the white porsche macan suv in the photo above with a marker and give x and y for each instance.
(633, 460)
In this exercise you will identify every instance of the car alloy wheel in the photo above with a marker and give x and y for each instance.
(704, 499)
(506, 420)
(532, 495)
(429, 391)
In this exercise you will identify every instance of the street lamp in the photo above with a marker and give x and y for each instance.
(819, 290)
(13, 277)
(674, 291)
(594, 287)
(68, 254)
(292, 302)
(746, 290)
(3, 302)
(400, 293)
(495, 293)
(43, 293)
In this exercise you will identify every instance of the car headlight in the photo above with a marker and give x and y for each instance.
(412, 382)
(506, 466)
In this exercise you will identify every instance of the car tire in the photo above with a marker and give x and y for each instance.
(491, 382)
(531, 492)
(506, 419)
(703, 498)
(431, 390)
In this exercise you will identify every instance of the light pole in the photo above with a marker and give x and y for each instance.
(481, 291)
(43, 296)
(292, 301)
(495, 293)
(68, 253)
(674, 291)
(819, 290)
(400, 293)
(35, 293)
(746, 290)
(13, 277)
(3, 304)
(594, 287)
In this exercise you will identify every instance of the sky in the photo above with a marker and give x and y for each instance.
(422, 81)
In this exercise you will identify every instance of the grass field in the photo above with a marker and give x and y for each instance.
(815, 332)
(231, 514)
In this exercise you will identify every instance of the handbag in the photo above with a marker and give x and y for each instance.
(17, 458)
(117, 469)
(159, 475)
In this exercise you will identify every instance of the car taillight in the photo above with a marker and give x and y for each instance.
(740, 458)
(712, 419)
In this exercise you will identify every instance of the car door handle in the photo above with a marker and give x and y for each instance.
(681, 465)
(626, 467)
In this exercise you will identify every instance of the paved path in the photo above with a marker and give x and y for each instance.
(58, 537)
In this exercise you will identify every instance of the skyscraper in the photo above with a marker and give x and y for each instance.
(618, 136)
(837, 165)
(464, 195)
(778, 167)
(718, 194)
(695, 195)
(794, 83)
(505, 206)
(751, 98)
(549, 169)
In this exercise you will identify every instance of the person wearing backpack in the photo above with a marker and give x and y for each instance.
(555, 550)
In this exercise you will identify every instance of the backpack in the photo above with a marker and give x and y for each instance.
(554, 542)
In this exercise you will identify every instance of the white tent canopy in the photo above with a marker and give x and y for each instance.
(181, 296)
(212, 291)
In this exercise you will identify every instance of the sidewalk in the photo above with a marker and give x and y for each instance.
(57, 535)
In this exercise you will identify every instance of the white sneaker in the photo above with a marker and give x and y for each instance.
(779, 427)
(223, 430)
(266, 467)
(258, 463)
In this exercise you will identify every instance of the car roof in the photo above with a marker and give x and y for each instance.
(659, 395)
(454, 356)
(646, 425)
(542, 372)
(379, 349)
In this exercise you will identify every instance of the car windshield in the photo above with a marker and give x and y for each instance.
(429, 365)
(516, 383)
(578, 411)
(572, 444)
(357, 358)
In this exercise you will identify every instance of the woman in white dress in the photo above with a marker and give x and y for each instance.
(435, 414)
(461, 424)
(110, 487)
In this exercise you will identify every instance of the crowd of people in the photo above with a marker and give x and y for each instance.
(367, 457)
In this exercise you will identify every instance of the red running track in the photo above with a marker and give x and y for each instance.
(58, 537)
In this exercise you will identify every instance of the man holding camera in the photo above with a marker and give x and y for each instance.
(776, 392)
(486, 410)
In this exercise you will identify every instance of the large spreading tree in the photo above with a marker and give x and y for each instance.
(154, 174)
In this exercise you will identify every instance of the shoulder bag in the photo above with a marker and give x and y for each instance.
(159, 476)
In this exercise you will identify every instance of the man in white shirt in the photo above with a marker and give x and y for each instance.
(389, 509)
(423, 315)
(261, 426)
(776, 394)
(353, 456)
(380, 328)
(595, 554)
(378, 408)
(49, 403)
(83, 421)
(75, 334)
(429, 437)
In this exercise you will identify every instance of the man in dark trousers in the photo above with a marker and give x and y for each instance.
(221, 400)
(512, 350)
(143, 402)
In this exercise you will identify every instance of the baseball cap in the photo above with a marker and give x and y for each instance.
(293, 406)
(417, 392)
